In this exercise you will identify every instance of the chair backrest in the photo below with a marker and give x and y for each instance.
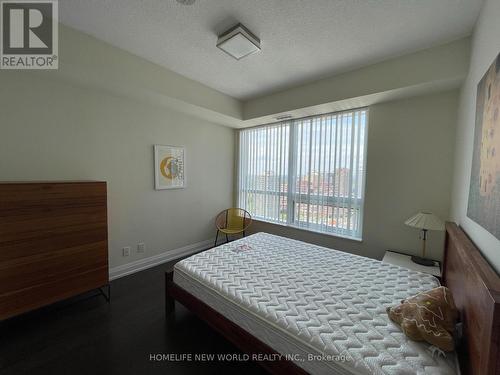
(234, 219)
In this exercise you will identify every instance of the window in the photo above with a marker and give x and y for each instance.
(307, 173)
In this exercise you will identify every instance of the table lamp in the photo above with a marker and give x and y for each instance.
(424, 221)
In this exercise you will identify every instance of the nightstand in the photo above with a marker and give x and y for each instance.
(404, 260)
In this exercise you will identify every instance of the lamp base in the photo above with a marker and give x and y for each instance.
(422, 261)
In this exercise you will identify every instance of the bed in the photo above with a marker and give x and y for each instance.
(301, 308)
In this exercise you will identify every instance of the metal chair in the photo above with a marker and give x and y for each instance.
(232, 221)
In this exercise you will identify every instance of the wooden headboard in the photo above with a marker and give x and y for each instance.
(476, 289)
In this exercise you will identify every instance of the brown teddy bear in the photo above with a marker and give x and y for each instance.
(429, 316)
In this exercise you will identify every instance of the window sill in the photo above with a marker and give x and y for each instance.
(335, 235)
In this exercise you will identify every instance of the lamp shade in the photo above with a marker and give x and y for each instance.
(425, 220)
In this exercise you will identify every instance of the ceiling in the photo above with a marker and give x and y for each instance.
(302, 40)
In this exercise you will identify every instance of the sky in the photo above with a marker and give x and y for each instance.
(324, 143)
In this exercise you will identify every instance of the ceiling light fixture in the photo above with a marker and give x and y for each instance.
(186, 2)
(238, 42)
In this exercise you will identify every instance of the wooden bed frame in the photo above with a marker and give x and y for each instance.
(476, 289)
(474, 284)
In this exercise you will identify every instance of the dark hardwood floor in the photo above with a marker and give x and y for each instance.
(87, 335)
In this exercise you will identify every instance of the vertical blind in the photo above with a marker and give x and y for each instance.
(308, 173)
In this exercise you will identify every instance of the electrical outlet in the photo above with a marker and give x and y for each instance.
(126, 251)
(141, 247)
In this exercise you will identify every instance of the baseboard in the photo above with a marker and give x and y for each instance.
(145, 263)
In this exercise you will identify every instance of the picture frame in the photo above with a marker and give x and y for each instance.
(169, 164)
(484, 192)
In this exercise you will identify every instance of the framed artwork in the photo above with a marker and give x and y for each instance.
(169, 167)
(484, 192)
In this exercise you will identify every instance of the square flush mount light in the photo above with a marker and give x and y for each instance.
(238, 42)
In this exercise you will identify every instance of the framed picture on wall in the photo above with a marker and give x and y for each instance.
(484, 192)
(169, 167)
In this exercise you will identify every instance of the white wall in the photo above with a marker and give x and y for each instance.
(99, 115)
(409, 168)
(435, 69)
(51, 130)
(485, 47)
(87, 61)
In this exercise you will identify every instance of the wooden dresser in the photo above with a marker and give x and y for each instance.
(53, 242)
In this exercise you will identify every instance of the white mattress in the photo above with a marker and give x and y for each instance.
(303, 300)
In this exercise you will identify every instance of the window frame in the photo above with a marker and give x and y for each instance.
(291, 194)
